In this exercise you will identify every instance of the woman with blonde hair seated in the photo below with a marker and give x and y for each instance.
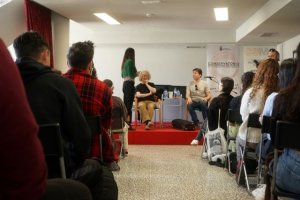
(145, 98)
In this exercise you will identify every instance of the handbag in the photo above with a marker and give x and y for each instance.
(216, 144)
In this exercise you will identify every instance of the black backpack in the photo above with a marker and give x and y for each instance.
(182, 124)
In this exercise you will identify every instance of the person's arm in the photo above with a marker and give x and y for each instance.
(207, 97)
(188, 94)
(244, 110)
(151, 87)
(23, 168)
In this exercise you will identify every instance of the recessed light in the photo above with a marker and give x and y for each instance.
(3, 2)
(221, 14)
(150, 1)
(107, 18)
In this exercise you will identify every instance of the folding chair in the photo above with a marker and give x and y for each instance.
(253, 122)
(286, 136)
(94, 123)
(157, 108)
(50, 137)
(117, 127)
(233, 124)
(266, 128)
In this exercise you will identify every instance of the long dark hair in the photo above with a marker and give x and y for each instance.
(247, 79)
(287, 103)
(228, 84)
(286, 72)
(129, 54)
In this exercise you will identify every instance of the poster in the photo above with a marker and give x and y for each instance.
(222, 61)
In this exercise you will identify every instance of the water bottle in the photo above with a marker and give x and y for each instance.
(165, 94)
(175, 92)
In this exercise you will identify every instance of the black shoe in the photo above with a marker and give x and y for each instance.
(131, 128)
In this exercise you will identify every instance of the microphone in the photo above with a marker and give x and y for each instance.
(210, 77)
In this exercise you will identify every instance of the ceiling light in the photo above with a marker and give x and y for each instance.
(150, 1)
(106, 18)
(221, 14)
(3, 2)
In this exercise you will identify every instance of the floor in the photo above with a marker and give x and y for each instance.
(170, 172)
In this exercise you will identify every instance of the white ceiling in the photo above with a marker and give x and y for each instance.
(187, 15)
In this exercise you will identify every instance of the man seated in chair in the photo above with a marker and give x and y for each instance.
(119, 113)
(197, 96)
(95, 96)
(145, 98)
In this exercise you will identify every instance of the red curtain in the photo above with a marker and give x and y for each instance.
(39, 19)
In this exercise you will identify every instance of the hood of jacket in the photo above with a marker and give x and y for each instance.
(31, 69)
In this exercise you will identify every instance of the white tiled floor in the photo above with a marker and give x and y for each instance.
(171, 172)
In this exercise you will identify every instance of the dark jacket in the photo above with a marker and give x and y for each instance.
(220, 102)
(53, 99)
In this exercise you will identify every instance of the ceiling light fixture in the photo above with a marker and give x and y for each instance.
(221, 14)
(150, 1)
(3, 2)
(106, 18)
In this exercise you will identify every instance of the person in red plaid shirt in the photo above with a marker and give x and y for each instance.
(95, 96)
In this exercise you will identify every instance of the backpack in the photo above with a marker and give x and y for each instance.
(182, 124)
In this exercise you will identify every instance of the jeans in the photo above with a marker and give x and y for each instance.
(129, 92)
(201, 106)
(288, 171)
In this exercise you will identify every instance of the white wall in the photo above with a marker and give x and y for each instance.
(168, 64)
(288, 47)
(60, 35)
(12, 21)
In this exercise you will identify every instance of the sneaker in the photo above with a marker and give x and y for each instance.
(195, 142)
(147, 127)
(204, 155)
(113, 166)
(150, 124)
(259, 192)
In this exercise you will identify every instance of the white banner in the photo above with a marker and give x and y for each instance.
(223, 61)
(252, 53)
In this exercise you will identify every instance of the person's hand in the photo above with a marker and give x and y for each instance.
(189, 100)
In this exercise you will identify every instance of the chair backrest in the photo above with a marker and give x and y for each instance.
(51, 139)
(234, 116)
(253, 120)
(287, 135)
(94, 123)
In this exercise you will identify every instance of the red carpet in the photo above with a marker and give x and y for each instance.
(161, 136)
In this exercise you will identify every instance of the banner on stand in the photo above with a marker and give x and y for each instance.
(222, 61)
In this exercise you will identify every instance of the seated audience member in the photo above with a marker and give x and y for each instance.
(287, 107)
(273, 54)
(286, 74)
(24, 172)
(54, 99)
(221, 103)
(197, 96)
(119, 109)
(95, 96)
(145, 95)
(265, 82)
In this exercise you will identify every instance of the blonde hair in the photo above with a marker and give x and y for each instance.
(144, 72)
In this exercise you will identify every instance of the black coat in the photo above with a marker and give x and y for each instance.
(54, 99)
(220, 102)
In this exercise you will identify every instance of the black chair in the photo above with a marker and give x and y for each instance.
(94, 123)
(233, 124)
(266, 127)
(50, 137)
(286, 136)
(253, 122)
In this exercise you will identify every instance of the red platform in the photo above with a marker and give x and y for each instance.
(161, 136)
